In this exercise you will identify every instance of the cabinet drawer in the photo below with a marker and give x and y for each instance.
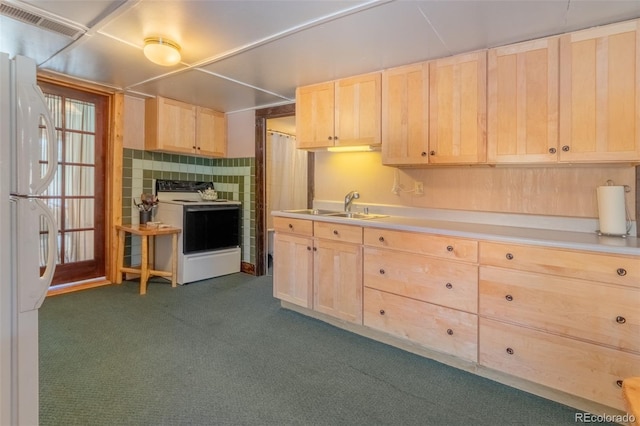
(293, 226)
(338, 232)
(583, 369)
(433, 245)
(601, 313)
(435, 327)
(451, 284)
(616, 269)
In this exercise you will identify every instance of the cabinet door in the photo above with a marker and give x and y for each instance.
(176, 126)
(523, 102)
(315, 116)
(358, 109)
(338, 280)
(599, 102)
(458, 109)
(293, 269)
(590, 371)
(405, 115)
(211, 133)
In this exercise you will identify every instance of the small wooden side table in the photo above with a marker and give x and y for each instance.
(146, 266)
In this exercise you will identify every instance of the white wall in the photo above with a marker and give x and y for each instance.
(241, 134)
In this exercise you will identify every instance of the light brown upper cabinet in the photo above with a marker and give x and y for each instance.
(341, 113)
(405, 115)
(458, 109)
(182, 128)
(523, 102)
(599, 94)
(211, 132)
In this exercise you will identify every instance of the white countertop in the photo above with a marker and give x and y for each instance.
(483, 231)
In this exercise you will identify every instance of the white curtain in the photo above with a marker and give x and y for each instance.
(286, 174)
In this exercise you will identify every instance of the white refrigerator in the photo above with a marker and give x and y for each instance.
(28, 163)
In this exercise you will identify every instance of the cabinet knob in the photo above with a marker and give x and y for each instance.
(432, 153)
(449, 332)
(194, 147)
(381, 311)
(381, 271)
(335, 138)
(565, 148)
(381, 239)
(619, 383)
(315, 249)
(509, 256)
(449, 248)
(510, 351)
(198, 148)
(424, 154)
(449, 286)
(335, 232)
(330, 138)
(290, 226)
(308, 248)
(509, 298)
(552, 150)
(621, 320)
(621, 271)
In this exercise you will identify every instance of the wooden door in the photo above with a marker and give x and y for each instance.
(293, 269)
(458, 109)
(337, 284)
(523, 102)
(358, 110)
(599, 102)
(211, 133)
(315, 116)
(176, 126)
(405, 115)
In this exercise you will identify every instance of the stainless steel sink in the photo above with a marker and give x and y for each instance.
(355, 215)
(334, 213)
(318, 212)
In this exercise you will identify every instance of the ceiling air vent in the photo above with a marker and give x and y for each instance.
(40, 20)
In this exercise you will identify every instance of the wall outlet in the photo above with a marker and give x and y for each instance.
(418, 188)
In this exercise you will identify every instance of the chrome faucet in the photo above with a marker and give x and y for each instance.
(348, 199)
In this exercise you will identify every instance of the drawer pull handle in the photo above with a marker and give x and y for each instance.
(381, 311)
(621, 271)
(552, 150)
(509, 256)
(381, 239)
(619, 383)
(621, 320)
(449, 286)
(510, 351)
(449, 248)
(449, 332)
(381, 271)
(290, 226)
(509, 298)
(565, 148)
(335, 232)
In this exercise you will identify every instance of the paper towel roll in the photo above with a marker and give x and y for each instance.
(611, 210)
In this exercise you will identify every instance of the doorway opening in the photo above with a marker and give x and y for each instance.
(262, 205)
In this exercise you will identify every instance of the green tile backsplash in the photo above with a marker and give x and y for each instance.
(233, 178)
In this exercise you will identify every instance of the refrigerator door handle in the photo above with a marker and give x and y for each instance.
(32, 106)
(33, 291)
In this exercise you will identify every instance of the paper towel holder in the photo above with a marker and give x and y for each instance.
(626, 189)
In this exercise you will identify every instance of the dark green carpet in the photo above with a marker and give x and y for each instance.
(222, 352)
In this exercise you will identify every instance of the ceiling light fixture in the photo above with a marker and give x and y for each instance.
(161, 51)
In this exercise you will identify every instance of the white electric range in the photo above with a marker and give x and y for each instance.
(209, 244)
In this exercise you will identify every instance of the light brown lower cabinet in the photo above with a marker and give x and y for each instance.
(587, 370)
(435, 327)
(564, 320)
